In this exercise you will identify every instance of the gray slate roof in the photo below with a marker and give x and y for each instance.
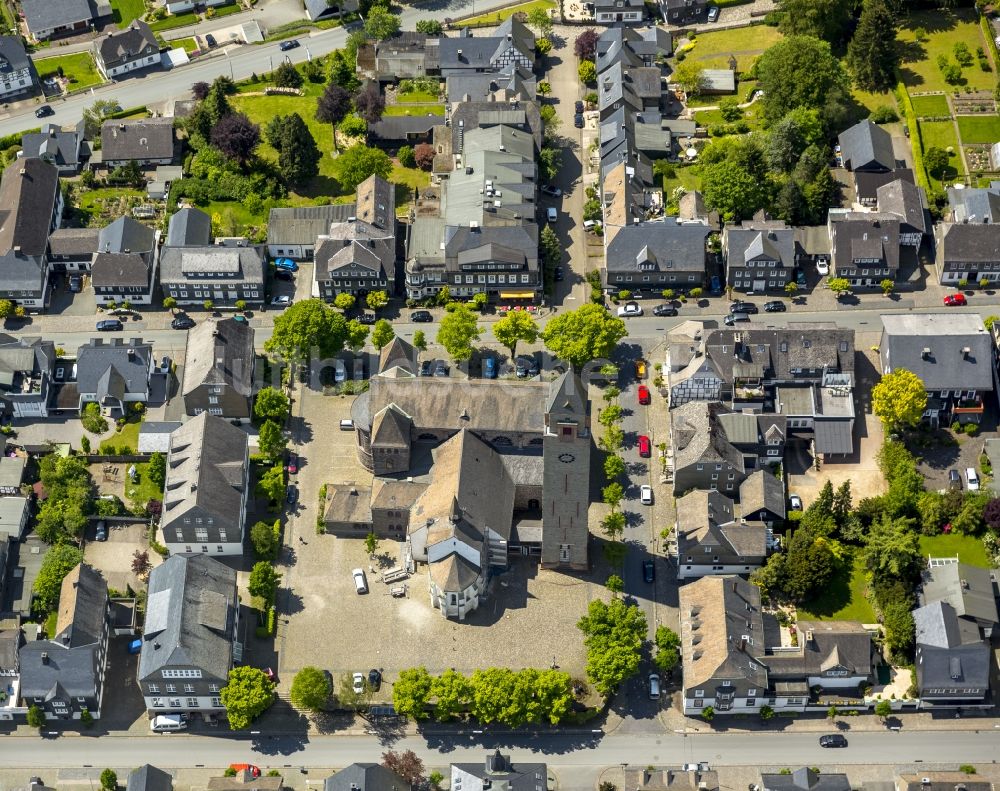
(977, 205)
(905, 200)
(365, 777)
(866, 146)
(302, 224)
(78, 242)
(229, 264)
(774, 353)
(13, 56)
(120, 47)
(47, 14)
(499, 772)
(60, 146)
(82, 605)
(660, 247)
(805, 779)
(861, 235)
(770, 241)
(945, 366)
(149, 778)
(950, 653)
(219, 353)
(763, 489)
(28, 193)
(974, 243)
(139, 139)
(190, 227)
(190, 616)
(968, 589)
(113, 368)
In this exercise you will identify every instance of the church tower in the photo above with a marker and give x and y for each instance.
(566, 485)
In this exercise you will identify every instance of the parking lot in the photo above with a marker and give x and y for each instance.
(113, 558)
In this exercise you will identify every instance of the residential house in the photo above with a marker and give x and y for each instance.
(190, 635)
(908, 202)
(951, 353)
(762, 499)
(124, 266)
(31, 206)
(643, 46)
(149, 778)
(16, 73)
(684, 12)
(359, 256)
(72, 249)
(11, 475)
(975, 204)
(404, 55)
(969, 590)
(498, 771)
(15, 511)
(193, 270)
(11, 639)
(206, 489)
(968, 254)
(952, 658)
(925, 780)
(292, 232)
(121, 51)
(864, 247)
(400, 130)
(761, 256)
(318, 10)
(710, 540)
(219, 370)
(64, 676)
(654, 256)
(608, 12)
(26, 366)
(690, 777)
(365, 777)
(737, 660)
(804, 779)
(64, 148)
(512, 44)
(512, 84)
(866, 150)
(147, 141)
(45, 19)
(114, 374)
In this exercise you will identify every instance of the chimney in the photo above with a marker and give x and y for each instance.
(925, 353)
(45, 657)
(23, 171)
(966, 351)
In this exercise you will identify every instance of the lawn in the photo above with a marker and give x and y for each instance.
(407, 180)
(942, 134)
(226, 10)
(414, 109)
(688, 177)
(944, 29)
(177, 20)
(235, 217)
(418, 97)
(504, 13)
(124, 11)
(979, 128)
(107, 202)
(934, 105)
(709, 118)
(79, 68)
(143, 490)
(872, 101)
(189, 45)
(969, 549)
(843, 599)
(712, 50)
(126, 439)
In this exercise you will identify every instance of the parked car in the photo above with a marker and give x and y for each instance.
(109, 325)
(287, 45)
(441, 368)
(795, 502)
(550, 189)
(800, 278)
(293, 464)
(578, 120)
(287, 264)
(648, 570)
(367, 318)
(646, 494)
(489, 367)
(525, 367)
(664, 310)
(955, 299)
(630, 309)
(640, 369)
(182, 323)
(359, 683)
(713, 14)
(101, 533)
(284, 274)
(374, 679)
(644, 397)
(742, 306)
(281, 301)
(254, 770)
(954, 480)
(44, 111)
(425, 367)
(654, 686)
(557, 273)
(972, 479)
(833, 740)
(421, 316)
(75, 283)
(292, 494)
(210, 40)
(823, 267)
(775, 306)
(734, 318)
(360, 583)
(645, 447)
(551, 215)
(578, 106)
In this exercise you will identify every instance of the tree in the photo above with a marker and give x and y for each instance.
(690, 76)
(550, 162)
(801, 71)
(370, 103)
(287, 76)
(613, 494)
(271, 404)
(376, 300)
(587, 333)
(791, 136)
(406, 764)
(457, 332)
(423, 155)
(298, 155)
(825, 19)
(832, 713)
(140, 563)
(371, 544)
(936, 160)
(381, 23)
(411, 692)
(246, 696)
(359, 162)
(516, 326)
(708, 713)
(7, 307)
(991, 514)
(94, 116)
(333, 106)
(615, 584)
(452, 693)
(420, 341)
(893, 549)
(357, 334)
(429, 26)
(263, 581)
(668, 649)
(59, 561)
(873, 55)
(587, 72)
(840, 286)
(304, 326)
(888, 286)
(808, 564)
(883, 709)
(36, 717)
(271, 441)
(200, 90)
(344, 301)
(613, 525)
(766, 713)
(109, 780)
(157, 469)
(540, 20)
(549, 247)
(342, 68)
(263, 540)
(382, 333)
(272, 484)
(899, 399)
(310, 689)
(406, 157)
(614, 634)
(585, 45)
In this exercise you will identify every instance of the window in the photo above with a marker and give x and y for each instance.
(189, 688)
(171, 688)
(751, 701)
(699, 693)
(213, 687)
(153, 688)
(182, 674)
(213, 399)
(192, 703)
(158, 703)
(751, 692)
(216, 703)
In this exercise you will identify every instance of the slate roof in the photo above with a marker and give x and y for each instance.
(355, 244)
(227, 264)
(805, 779)
(698, 437)
(78, 242)
(113, 368)
(659, 247)
(975, 205)
(866, 146)
(508, 83)
(950, 653)
(631, 42)
(13, 56)
(120, 47)
(206, 470)
(22, 358)
(905, 200)
(968, 589)
(190, 616)
(941, 781)
(149, 778)
(154, 436)
(397, 352)
(670, 779)
(400, 127)
(867, 183)
(28, 192)
(774, 353)
(219, 353)
(500, 773)
(190, 227)
(365, 777)
(346, 502)
(138, 139)
(937, 625)
(762, 489)
(48, 14)
(751, 241)
(302, 224)
(60, 146)
(391, 428)
(974, 243)
(567, 393)
(125, 253)
(706, 517)
(82, 607)
(861, 235)
(823, 646)
(10, 642)
(945, 366)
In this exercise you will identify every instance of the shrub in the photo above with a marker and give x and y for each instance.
(406, 157)
(886, 114)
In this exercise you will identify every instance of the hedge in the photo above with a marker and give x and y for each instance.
(269, 629)
(988, 35)
(15, 139)
(916, 143)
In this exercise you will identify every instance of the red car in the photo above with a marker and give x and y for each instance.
(645, 449)
(954, 299)
(644, 394)
(253, 770)
(293, 464)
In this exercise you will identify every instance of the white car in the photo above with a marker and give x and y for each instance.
(713, 14)
(823, 267)
(359, 683)
(972, 479)
(551, 214)
(360, 583)
(646, 494)
(630, 309)
(282, 302)
(795, 502)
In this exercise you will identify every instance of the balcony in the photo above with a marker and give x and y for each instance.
(968, 406)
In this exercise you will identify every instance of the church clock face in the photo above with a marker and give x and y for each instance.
(567, 458)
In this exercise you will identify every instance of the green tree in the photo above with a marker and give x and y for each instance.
(668, 649)
(766, 713)
(540, 20)
(613, 494)
(298, 155)
(893, 549)
(615, 584)
(587, 333)
(897, 618)
(157, 469)
(549, 247)
(587, 72)
(452, 693)
(614, 467)
(59, 561)
(825, 19)
(553, 695)
(610, 415)
(271, 404)
(883, 709)
(357, 334)
(263, 540)
(840, 286)
(359, 162)
(376, 300)
(371, 544)
(381, 23)
(36, 717)
(809, 563)
(272, 484)
(304, 326)
(287, 76)
(94, 116)
(271, 441)
(7, 308)
(899, 399)
(708, 713)
(411, 692)
(497, 698)
(457, 332)
(690, 75)
(801, 71)
(109, 780)
(420, 340)
(791, 136)
(429, 26)
(832, 713)
(516, 326)
(406, 157)
(310, 689)
(344, 301)
(382, 333)
(333, 106)
(264, 581)
(936, 160)
(247, 694)
(735, 177)
(873, 55)
(614, 634)
(888, 286)
(613, 525)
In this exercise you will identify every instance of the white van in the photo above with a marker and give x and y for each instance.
(347, 425)
(167, 722)
(972, 479)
